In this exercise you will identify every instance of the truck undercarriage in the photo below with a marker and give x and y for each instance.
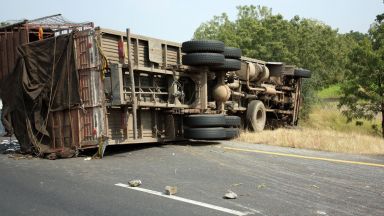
(125, 88)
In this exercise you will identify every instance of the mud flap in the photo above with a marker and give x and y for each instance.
(103, 143)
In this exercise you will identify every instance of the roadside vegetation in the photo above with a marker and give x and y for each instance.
(343, 100)
(318, 139)
(346, 68)
(332, 92)
(327, 116)
(326, 129)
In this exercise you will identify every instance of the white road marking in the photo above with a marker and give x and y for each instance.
(181, 199)
(252, 211)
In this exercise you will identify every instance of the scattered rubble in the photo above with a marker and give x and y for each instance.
(230, 195)
(321, 212)
(9, 146)
(315, 186)
(51, 156)
(170, 190)
(135, 183)
(261, 186)
(17, 156)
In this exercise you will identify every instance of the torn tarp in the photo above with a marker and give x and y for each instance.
(43, 80)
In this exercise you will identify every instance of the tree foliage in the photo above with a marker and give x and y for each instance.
(363, 88)
(306, 43)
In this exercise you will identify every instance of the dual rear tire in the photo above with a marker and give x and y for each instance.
(211, 127)
(211, 53)
(203, 53)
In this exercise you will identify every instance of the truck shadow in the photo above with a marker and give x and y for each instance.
(195, 143)
(116, 150)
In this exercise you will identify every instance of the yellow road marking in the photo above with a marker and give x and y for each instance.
(306, 157)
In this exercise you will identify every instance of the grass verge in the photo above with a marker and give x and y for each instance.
(324, 140)
(332, 92)
(326, 116)
(326, 129)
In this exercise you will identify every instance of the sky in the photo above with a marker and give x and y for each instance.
(176, 20)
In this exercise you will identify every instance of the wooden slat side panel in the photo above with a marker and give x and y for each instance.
(116, 124)
(143, 54)
(3, 50)
(110, 47)
(172, 56)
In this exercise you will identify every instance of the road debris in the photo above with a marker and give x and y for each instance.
(170, 190)
(236, 184)
(135, 183)
(230, 195)
(321, 212)
(51, 156)
(261, 186)
(9, 146)
(88, 158)
(315, 186)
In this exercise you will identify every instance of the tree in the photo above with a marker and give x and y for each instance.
(363, 88)
(303, 42)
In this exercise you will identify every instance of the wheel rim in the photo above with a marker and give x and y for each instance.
(259, 115)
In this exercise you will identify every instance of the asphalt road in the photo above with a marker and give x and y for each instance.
(268, 181)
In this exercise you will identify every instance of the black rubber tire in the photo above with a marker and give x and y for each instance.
(302, 73)
(231, 133)
(214, 133)
(194, 46)
(256, 116)
(203, 59)
(232, 121)
(204, 120)
(229, 65)
(232, 52)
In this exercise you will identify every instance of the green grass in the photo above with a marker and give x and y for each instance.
(332, 92)
(327, 116)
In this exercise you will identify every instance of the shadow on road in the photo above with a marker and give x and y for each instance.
(115, 150)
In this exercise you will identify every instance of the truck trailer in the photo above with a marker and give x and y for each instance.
(76, 86)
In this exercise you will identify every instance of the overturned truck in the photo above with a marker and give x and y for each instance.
(92, 87)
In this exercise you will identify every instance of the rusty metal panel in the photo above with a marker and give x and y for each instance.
(87, 55)
(63, 129)
(9, 41)
(76, 128)
(91, 87)
(88, 131)
(3, 53)
(10, 56)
